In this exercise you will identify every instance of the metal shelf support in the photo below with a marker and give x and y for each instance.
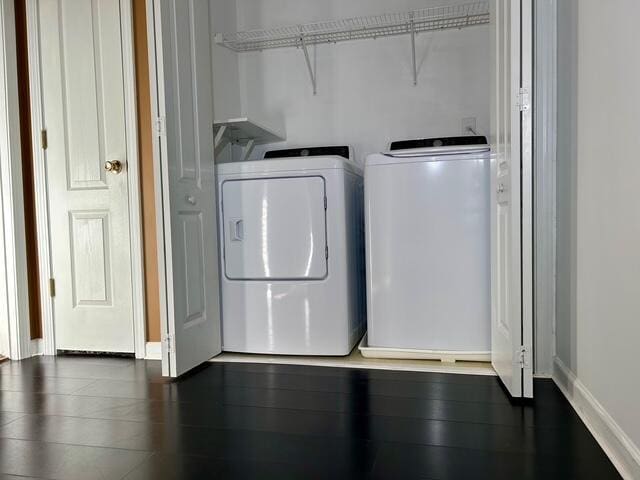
(312, 73)
(376, 26)
(243, 132)
(248, 149)
(432, 19)
(413, 51)
(221, 141)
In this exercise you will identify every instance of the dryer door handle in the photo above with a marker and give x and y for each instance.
(236, 227)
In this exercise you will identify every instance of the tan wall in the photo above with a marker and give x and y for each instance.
(35, 322)
(145, 140)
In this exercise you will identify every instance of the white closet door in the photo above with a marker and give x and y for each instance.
(267, 236)
(84, 116)
(511, 241)
(186, 187)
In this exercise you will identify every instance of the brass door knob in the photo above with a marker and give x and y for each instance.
(113, 166)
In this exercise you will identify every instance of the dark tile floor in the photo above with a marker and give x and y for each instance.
(110, 418)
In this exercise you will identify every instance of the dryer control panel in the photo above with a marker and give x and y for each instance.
(339, 151)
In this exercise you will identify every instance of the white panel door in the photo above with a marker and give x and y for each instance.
(188, 239)
(274, 228)
(511, 241)
(83, 100)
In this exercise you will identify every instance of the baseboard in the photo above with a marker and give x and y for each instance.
(37, 347)
(445, 356)
(624, 454)
(153, 351)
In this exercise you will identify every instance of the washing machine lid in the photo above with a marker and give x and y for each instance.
(275, 228)
(282, 165)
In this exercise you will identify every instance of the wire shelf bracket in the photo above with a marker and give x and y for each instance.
(243, 132)
(411, 23)
(312, 73)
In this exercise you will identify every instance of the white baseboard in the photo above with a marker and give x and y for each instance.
(37, 347)
(624, 454)
(154, 351)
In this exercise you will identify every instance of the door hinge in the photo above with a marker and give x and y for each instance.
(168, 339)
(52, 287)
(523, 354)
(524, 100)
(325, 202)
(44, 142)
(159, 126)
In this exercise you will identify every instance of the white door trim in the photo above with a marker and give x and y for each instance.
(133, 176)
(133, 171)
(527, 196)
(545, 138)
(39, 173)
(159, 144)
(14, 299)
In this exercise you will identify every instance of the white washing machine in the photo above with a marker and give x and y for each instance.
(292, 250)
(428, 247)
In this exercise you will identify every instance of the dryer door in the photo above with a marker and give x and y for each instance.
(275, 228)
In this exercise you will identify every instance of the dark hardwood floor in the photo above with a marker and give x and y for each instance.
(111, 418)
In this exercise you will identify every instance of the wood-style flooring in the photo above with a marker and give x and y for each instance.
(112, 418)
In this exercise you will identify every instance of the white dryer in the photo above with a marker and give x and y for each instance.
(292, 250)
(428, 247)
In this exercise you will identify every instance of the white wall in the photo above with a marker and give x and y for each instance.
(598, 296)
(226, 78)
(226, 73)
(366, 95)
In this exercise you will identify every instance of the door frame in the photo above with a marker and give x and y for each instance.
(14, 301)
(544, 181)
(17, 305)
(156, 70)
(133, 179)
(527, 195)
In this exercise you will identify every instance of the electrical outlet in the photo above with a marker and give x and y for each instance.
(469, 126)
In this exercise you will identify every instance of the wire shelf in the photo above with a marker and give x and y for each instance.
(417, 21)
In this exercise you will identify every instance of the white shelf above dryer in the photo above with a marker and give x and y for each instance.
(431, 19)
(243, 132)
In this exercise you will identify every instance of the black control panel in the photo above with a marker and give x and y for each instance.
(309, 152)
(439, 142)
